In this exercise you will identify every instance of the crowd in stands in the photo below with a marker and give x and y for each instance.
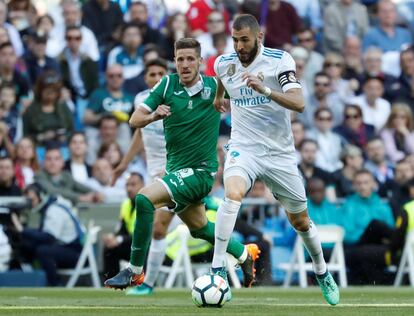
(69, 75)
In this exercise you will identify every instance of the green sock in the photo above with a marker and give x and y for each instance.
(143, 230)
(234, 247)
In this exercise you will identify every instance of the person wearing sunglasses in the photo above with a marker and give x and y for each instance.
(79, 72)
(353, 129)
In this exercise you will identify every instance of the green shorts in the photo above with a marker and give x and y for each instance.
(188, 186)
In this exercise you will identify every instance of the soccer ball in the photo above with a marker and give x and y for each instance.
(210, 290)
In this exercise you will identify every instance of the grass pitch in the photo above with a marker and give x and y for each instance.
(376, 301)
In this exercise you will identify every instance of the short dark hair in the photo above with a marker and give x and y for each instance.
(76, 134)
(246, 20)
(319, 110)
(136, 174)
(130, 25)
(107, 117)
(321, 74)
(188, 42)
(73, 28)
(6, 44)
(363, 171)
(307, 141)
(155, 62)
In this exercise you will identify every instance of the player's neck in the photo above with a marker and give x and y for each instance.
(193, 82)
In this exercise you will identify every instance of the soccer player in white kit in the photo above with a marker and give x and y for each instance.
(153, 140)
(263, 90)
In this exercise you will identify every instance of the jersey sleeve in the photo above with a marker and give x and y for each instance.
(156, 96)
(286, 73)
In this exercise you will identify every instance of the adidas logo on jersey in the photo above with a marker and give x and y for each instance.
(229, 80)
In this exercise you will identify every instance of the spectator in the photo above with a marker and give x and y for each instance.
(397, 189)
(117, 245)
(4, 35)
(25, 162)
(80, 170)
(300, 56)
(322, 98)
(215, 25)
(108, 133)
(353, 58)
(111, 152)
(138, 14)
(8, 186)
(334, 67)
(307, 167)
(372, 60)
(79, 72)
(219, 44)
(35, 57)
(11, 30)
(57, 181)
(398, 134)
(280, 34)
(72, 17)
(367, 221)
(361, 209)
(298, 131)
(137, 84)
(375, 109)
(44, 25)
(353, 129)
(376, 162)
(57, 243)
(6, 145)
(22, 15)
(129, 54)
(310, 13)
(314, 64)
(198, 13)
(352, 160)
(387, 36)
(103, 17)
(101, 182)
(321, 211)
(10, 75)
(329, 143)
(177, 27)
(48, 120)
(402, 90)
(10, 112)
(342, 19)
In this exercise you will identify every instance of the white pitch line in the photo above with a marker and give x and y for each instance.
(65, 307)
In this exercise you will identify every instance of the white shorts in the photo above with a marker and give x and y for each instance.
(278, 171)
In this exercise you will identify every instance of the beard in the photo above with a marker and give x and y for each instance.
(250, 56)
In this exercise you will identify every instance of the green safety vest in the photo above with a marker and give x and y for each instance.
(195, 246)
(409, 208)
(128, 215)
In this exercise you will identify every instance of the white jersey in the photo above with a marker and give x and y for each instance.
(154, 141)
(256, 119)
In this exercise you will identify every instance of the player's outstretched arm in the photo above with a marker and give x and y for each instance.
(142, 117)
(291, 99)
(134, 148)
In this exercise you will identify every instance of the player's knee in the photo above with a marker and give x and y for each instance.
(159, 231)
(300, 223)
(234, 194)
(143, 204)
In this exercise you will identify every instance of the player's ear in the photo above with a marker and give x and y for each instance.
(260, 37)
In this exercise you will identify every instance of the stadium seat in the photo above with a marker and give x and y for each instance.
(407, 261)
(182, 265)
(87, 262)
(328, 234)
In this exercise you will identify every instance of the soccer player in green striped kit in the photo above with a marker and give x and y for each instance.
(191, 124)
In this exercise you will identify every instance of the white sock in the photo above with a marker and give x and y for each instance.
(243, 257)
(225, 220)
(313, 246)
(135, 269)
(155, 259)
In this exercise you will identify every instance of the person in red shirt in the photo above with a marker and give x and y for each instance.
(198, 12)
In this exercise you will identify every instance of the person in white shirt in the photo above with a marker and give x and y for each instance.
(76, 164)
(375, 109)
(72, 16)
(263, 89)
(329, 143)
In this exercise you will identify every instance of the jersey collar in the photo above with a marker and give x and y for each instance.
(195, 88)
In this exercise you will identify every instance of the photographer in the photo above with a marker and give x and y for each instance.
(57, 243)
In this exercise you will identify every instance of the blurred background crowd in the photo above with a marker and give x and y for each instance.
(69, 72)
